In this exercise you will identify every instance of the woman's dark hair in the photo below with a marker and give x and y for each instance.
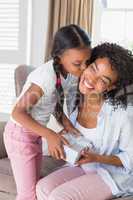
(67, 37)
(121, 60)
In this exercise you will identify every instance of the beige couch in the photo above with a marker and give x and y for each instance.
(7, 184)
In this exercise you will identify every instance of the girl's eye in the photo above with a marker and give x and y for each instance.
(87, 63)
(77, 64)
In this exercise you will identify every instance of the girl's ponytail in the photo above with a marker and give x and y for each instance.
(67, 37)
(60, 92)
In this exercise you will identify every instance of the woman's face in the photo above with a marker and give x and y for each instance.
(73, 60)
(98, 77)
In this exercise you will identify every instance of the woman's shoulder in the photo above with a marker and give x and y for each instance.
(118, 112)
(121, 111)
(128, 112)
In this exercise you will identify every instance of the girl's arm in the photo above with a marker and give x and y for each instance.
(20, 111)
(20, 114)
(68, 126)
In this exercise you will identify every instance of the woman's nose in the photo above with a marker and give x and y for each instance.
(94, 80)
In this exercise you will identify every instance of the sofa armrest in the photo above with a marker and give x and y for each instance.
(3, 153)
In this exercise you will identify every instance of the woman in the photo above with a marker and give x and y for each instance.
(104, 116)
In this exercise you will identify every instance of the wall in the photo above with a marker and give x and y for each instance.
(39, 31)
(97, 12)
(37, 35)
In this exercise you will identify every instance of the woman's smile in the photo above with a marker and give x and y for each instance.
(85, 85)
(88, 84)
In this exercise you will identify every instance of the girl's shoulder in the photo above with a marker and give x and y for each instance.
(43, 76)
(46, 68)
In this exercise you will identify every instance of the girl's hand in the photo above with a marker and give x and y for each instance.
(71, 129)
(87, 157)
(55, 145)
(68, 126)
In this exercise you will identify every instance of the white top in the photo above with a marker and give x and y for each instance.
(113, 136)
(45, 77)
(88, 133)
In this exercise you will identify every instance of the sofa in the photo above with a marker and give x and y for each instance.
(7, 184)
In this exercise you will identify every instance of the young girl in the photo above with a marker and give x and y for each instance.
(105, 118)
(43, 95)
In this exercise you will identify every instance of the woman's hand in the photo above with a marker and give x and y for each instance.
(90, 156)
(87, 157)
(55, 145)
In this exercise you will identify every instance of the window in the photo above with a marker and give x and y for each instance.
(116, 22)
(13, 46)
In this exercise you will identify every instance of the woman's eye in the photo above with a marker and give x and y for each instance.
(104, 83)
(92, 68)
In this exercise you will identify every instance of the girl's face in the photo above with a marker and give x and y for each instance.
(98, 77)
(73, 60)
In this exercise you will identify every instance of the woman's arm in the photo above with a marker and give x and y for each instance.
(89, 157)
(110, 160)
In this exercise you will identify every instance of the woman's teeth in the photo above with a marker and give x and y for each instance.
(88, 85)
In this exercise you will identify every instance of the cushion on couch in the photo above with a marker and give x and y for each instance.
(6, 177)
(2, 147)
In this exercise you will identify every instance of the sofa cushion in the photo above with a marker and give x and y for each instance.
(48, 165)
(6, 196)
(7, 183)
(5, 167)
(21, 73)
(2, 147)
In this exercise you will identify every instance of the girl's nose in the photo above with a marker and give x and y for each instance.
(83, 66)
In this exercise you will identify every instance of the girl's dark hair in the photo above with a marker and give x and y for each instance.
(67, 37)
(121, 60)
